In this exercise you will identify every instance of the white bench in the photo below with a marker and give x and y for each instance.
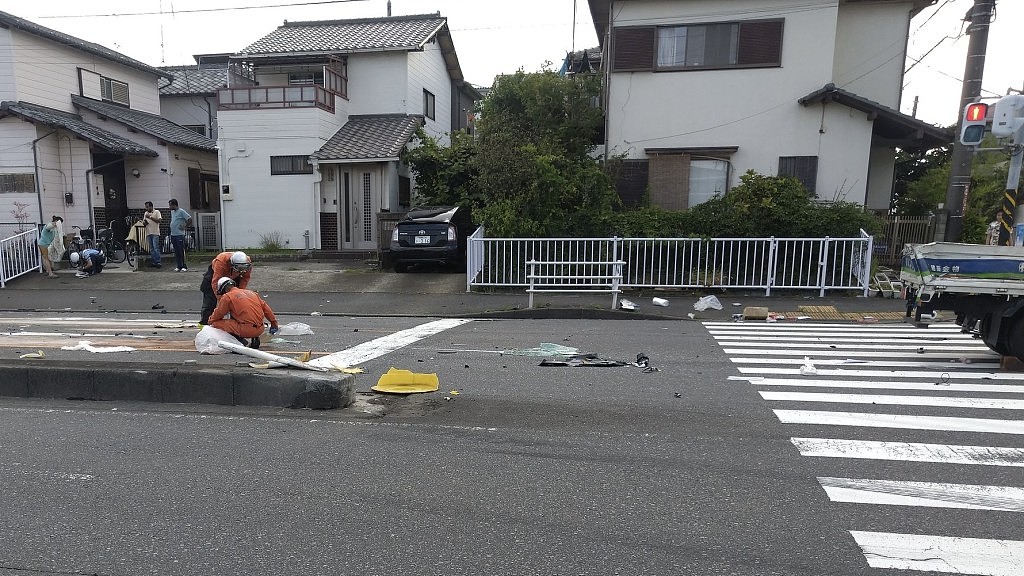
(575, 276)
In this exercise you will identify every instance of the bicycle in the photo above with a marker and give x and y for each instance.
(83, 239)
(112, 248)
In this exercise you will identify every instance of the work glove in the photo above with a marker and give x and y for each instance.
(273, 330)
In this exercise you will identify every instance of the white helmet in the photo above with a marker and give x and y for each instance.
(74, 257)
(240, 261)
(223, 284)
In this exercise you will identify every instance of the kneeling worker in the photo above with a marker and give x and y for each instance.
(247, 312)
(90, 262)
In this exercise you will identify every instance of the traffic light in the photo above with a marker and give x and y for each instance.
(972, 130)
(1008, 116)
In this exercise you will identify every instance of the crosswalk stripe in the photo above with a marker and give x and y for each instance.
(901, 421)
(976, 355)
(909, 452)
(740, 345)
(882, 385)
(933, 375)
(930, 494)
(946, 554)
(385, 344)
(777, 327)
(896, 400)
(854, 362)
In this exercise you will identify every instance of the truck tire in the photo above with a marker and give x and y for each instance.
(996, 342)
(1015, 336)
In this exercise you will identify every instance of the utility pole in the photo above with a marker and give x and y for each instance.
(960, 163)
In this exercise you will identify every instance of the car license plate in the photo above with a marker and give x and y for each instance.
(422, 240)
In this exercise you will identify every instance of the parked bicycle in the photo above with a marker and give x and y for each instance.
(113, 249)
(83, 239)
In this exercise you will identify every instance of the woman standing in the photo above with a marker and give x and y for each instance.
(46, 237)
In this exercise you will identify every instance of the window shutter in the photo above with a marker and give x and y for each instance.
(760, 43)
(633, 48)
(803, 168)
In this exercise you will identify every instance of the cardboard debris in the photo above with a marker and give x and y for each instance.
(755, 313)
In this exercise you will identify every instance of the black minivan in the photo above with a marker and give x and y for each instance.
(434, 234)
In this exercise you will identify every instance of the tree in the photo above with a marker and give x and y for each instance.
(918, 186)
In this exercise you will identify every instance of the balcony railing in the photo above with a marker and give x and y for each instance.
(255, 97)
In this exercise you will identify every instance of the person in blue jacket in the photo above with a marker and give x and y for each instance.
(90, 262)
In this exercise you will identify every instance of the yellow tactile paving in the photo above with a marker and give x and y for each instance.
(831, 313)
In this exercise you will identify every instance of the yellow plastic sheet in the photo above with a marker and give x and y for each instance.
(397, 381)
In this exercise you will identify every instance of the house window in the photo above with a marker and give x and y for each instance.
(803, 168)
(113, 91)
(17, 183)
(282, 165)
(197, 128)
(306, 78)
(746, 44)
(336, 76)
(680, 178)
(428, 104)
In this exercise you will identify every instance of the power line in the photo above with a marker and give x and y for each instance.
(161, 12)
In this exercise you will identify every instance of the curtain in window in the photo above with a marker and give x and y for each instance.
(708, 178)
(671, 46)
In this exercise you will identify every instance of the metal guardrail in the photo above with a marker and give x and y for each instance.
(820, 264)
(19, 254)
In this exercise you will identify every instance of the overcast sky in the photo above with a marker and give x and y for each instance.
(494, 37)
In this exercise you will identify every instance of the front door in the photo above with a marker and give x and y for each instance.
(115, 198)
(360, 194)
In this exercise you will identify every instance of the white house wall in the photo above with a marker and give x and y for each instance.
(756, 109)
(259, 203)
(46, 74)
(8, 89)
(377, 84)
(190, 110)
(880, 179)
(870, 50)
(427, 71)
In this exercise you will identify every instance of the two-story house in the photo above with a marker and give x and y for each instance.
(310, 143)
(697, 92)
(81, 134)
(191, 98)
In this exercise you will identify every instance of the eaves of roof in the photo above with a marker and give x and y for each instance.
(195, 80)
(76, 125)
(152, 124)
(12, 21)
(891, 126)
(372, 138)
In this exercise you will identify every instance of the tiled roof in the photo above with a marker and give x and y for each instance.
(895, 127)
(151, 124)
(12, 21)
(371, 137)
(76, 125)
(334, 36)
(194, 79)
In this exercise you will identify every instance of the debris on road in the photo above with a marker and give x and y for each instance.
(545, 349)
(37, 354)
(705, 302)
(261, 355)
(659, 301)
(627, 305)
(755, 313)
(88, 347)
(584, 360)
(396, 381)
(808, 369)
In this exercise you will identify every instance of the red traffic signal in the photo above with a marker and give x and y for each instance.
(972, 130)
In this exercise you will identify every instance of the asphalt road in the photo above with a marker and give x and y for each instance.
(528, 469)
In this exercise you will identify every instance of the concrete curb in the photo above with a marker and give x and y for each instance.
(151, 382)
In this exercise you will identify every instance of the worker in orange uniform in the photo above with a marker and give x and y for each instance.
(234, 265)
(241, 313)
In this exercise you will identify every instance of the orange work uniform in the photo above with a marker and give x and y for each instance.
(247, 312)
(221, 265)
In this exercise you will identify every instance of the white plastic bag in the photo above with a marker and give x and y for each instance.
(294, 329)
(706, 302)
(206, 340)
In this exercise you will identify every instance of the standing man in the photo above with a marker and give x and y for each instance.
(234, 265)
(180, 219)
(247, 312)
(152, 219)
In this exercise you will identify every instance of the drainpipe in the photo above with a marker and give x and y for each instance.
(39, 175)
(88, 186)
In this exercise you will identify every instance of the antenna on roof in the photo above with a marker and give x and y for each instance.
(389, 8)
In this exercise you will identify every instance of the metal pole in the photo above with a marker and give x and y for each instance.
(980, 17)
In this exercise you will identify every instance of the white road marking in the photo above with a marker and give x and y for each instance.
(742, 345)
(909, 452)
(855, 362)
(929, 494)
(976, 355)
(894, 400)
(881, 384)
(901, 421)
(932, 375)
(946, 554)
(385, 344)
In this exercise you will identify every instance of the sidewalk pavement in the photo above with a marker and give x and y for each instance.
(323, 288)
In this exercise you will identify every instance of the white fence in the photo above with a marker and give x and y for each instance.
(820, 264)
(19, 254)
